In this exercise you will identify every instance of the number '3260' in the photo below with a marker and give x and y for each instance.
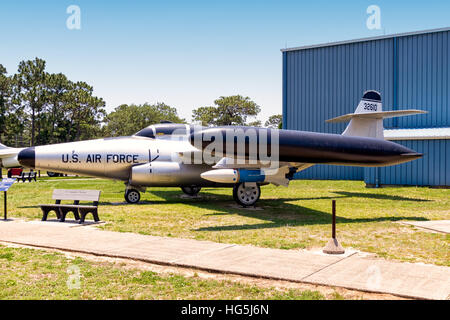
(370, 106)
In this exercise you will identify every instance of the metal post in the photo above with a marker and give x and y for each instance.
(333, 246)
(333, 228)
(5, 206)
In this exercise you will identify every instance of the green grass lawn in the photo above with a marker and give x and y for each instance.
(287, 218)
(36, 274)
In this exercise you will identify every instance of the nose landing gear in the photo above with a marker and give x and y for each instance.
(191, 190)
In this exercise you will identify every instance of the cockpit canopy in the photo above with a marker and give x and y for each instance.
(162, 130)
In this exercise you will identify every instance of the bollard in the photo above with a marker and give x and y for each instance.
(5, 208)
(333, 213)
(333, 246)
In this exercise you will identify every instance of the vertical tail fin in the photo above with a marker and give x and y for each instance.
(367, 121)
(363, 126)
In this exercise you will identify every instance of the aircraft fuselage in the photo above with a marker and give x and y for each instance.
(145, 161)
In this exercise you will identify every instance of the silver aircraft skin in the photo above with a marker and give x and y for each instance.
(114, 158)
(157, 155)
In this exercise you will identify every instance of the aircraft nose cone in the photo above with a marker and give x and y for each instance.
(27, 157)
(411, 155)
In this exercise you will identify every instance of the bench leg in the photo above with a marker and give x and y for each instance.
(84, 212)
(95, 214)
(46, 211)
(62, 215)
(65, 211)
(45, 214)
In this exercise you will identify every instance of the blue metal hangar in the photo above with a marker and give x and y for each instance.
(410, 70)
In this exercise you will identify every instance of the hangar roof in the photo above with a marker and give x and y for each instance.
(417, 134)
(329, 44)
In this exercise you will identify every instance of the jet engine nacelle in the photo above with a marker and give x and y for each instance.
(155, 173)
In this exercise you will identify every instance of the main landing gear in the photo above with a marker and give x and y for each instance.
(246, 194)
(132, 196)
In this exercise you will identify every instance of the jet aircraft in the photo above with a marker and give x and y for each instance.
(244, 158)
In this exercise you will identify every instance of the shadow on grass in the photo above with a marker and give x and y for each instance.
(346, 194)
(30, 207)
(277, 212)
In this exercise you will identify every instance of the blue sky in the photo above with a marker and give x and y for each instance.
(188, 53)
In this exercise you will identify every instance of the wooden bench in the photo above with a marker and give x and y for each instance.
(79, 210)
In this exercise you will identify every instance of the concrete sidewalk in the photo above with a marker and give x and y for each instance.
(352, 270)
(442, 226)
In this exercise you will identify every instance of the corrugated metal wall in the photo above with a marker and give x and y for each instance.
(423, 79)
(431, 170)
(325, 82)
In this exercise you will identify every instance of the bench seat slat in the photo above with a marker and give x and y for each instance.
(82, 195)
(68, 206)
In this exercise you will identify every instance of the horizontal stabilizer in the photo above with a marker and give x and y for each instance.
(376, 115)
(367, 120)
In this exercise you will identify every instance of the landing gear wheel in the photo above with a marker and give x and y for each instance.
(191, 191)
(132, 196)
(246, 195)
(52, 174)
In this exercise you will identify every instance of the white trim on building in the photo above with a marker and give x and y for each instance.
(417, 134)
(329, 44)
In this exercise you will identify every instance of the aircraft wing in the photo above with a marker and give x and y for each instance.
(5, 153)
(279, 177)
(8, 157)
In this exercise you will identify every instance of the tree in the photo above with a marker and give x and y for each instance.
(83, 112)
(126, 119)
(232, 110)
(274, 122)
(40, 108)
(4, 96)
(58, 87)
(11, 125)
(37, 107)
(30, 90)
(256, 123)
(5, 93)
(205, 115)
